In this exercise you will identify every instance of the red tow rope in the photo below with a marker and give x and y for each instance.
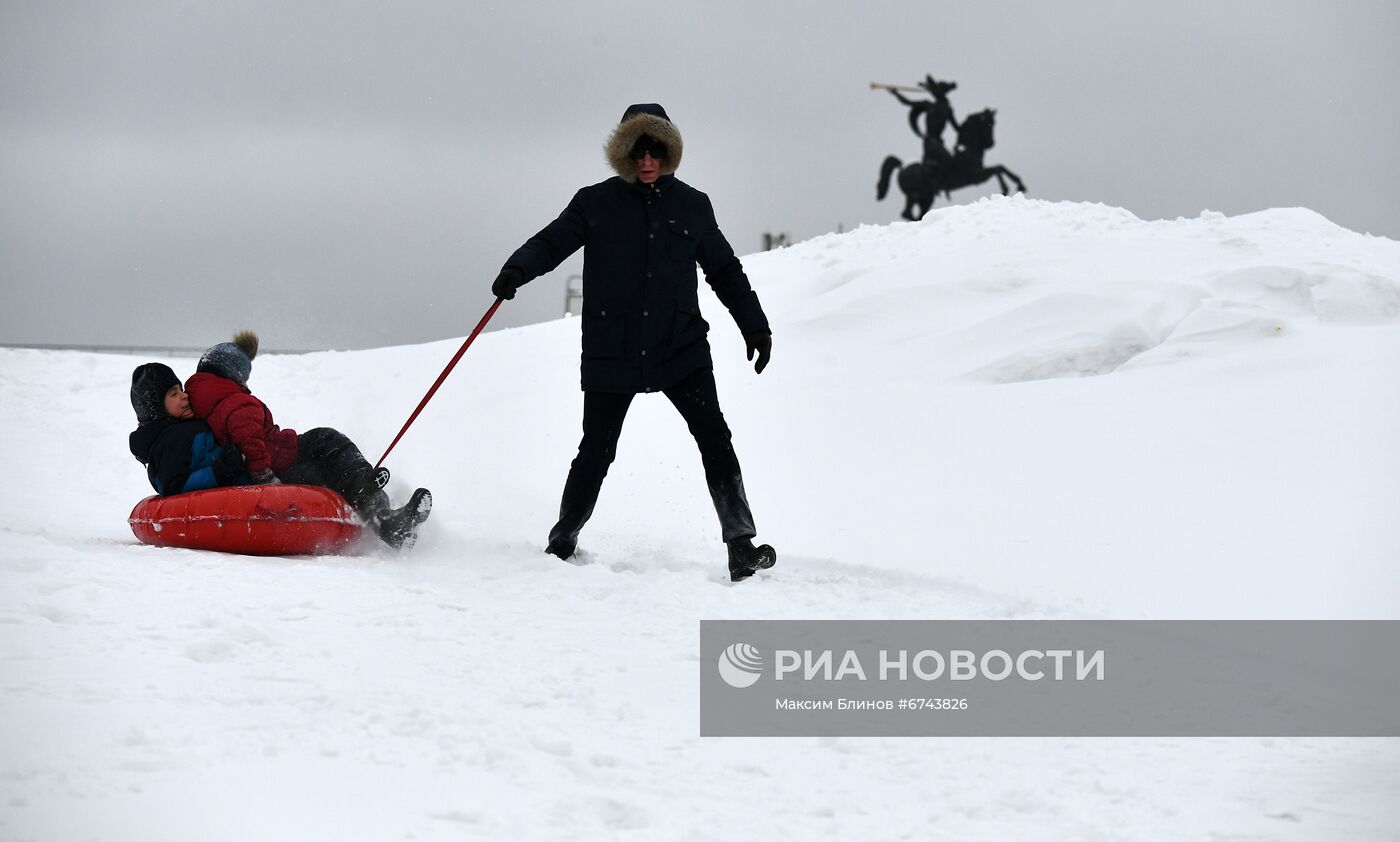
(441, 377)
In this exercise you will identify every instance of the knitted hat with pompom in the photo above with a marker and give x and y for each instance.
(233, 360)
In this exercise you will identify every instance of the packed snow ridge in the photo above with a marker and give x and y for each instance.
(1009, 290)
(1011, 409)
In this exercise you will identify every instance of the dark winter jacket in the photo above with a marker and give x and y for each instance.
(236, 416)
(642, 328)
(181, 455)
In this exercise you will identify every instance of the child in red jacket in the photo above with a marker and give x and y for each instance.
(219, 395)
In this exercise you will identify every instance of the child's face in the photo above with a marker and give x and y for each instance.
(177, 403)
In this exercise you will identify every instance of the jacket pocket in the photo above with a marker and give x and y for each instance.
(683, 241)
(690, 326)
(603, 334)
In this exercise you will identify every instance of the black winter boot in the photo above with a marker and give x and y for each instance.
(399, 527)
(563, 548)
(366, 494)
(745, 559)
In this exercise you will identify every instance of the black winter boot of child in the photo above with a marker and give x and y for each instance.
(365, 492)
(399, 527)
(745, 559)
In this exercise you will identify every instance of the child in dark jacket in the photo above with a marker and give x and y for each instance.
(178, 450)
(219, 395)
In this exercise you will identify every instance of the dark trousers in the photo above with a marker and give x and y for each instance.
(603, 413)
(327, 458)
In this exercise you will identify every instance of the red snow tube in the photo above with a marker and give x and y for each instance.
(251, 519)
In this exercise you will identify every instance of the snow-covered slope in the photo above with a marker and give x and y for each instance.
(1011, 409)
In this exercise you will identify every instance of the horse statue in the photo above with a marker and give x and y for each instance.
(924, 180)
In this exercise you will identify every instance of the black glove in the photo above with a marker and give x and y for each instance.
(229, 470)
(763, 344)
(265, 477)
(506, 283)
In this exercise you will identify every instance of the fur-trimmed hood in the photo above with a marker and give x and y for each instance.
(649, 119)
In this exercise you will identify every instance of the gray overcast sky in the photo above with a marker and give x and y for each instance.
(351, 175)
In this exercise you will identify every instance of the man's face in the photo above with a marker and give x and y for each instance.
(177, 403)
(648, 168)
(648, 152)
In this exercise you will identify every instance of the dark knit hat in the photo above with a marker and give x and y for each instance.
(233, 360)
(149, 383)
(651, 108)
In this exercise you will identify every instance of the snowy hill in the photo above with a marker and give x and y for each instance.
(1013, 409)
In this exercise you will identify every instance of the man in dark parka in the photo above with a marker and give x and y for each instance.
(643, 232)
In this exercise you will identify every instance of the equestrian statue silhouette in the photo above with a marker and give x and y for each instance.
(939, 171)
